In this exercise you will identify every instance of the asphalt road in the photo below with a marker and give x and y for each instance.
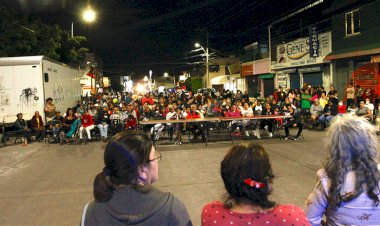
(48, 184)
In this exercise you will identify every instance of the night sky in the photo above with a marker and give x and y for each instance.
(139, 35)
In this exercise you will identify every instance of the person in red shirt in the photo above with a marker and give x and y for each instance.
(247, 175)
(87, 124)
(341, 108)
(195, 127)
(147, 99)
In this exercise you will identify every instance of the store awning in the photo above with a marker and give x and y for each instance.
(354, 52)
(266, 76)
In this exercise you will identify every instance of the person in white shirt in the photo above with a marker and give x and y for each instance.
(246, 111)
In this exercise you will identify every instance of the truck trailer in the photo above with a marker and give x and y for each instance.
(26, 83)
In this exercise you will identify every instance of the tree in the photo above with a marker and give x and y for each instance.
(26, 36)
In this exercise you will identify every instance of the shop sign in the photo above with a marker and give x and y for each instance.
(247, 69)
(309, 69)
(314, 43)
(297, 52)
(282, 80)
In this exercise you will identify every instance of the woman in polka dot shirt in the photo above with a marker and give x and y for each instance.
(247, 176)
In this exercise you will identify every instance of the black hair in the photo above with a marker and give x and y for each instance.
(124, 153)
(245, 161)
(49, 99)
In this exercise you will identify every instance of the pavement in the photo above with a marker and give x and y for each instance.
(49, 184)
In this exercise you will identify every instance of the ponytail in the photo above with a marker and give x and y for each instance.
(103, 190)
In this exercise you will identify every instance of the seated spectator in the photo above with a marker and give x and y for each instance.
(104, 121)
(369, 105)
(56, 125)
(294, 121)
(69, 120)
(171, 115)
(123, 191)
(247, 175)
(267, 122)
(234, 112)
(341, 108)
(329, 112)
(195, 127)
(87, 124)
(316, 111)
(21, 126)
(364, 111)
(38, 127)
(347, 190)
(157, 129)
(377, 118)
(131, 121)
(246, 111)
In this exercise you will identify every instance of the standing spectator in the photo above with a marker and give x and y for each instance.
(123, 190)
(306, 98)
(87, 124)
(281, 97)
(21, 126)
(38, 127)
(350, 94)
(332, 93)
(347, 191)
(49, 109)
(359, 94)
(247, 175)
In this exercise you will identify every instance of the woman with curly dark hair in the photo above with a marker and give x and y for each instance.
(247, 176)
(347, 191)
(123, 189)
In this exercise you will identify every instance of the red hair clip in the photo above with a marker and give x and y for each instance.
(253, 183)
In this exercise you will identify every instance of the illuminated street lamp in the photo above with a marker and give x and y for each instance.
(88, 15)
(166, 75)
(197, 45)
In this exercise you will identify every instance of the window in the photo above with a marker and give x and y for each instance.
(352, 23)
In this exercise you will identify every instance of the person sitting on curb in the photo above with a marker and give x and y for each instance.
(38, 126)
(247, 175)
(21, 126)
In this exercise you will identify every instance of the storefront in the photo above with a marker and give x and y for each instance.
(296, 65)
(259, 80)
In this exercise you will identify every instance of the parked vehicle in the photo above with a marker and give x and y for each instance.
(26, 82)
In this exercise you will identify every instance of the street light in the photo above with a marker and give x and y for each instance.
(88, 16)
(197, 45)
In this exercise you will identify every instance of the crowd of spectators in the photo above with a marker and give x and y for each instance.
(116, 112)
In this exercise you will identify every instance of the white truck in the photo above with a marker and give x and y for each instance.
(26, 83)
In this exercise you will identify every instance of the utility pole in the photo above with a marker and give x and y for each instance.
(208, 84)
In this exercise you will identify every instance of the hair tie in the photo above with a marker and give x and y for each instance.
(253, 183)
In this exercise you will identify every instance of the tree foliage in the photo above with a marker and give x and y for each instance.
(28, 36)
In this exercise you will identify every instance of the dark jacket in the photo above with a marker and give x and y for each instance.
(20, 124)
(131, 207)
(34, 124)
